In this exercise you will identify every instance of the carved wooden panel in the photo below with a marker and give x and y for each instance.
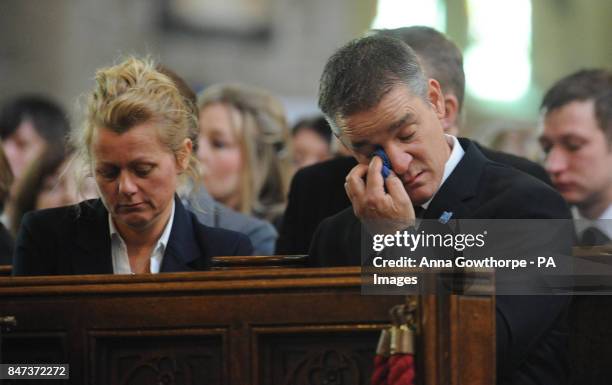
(316, 356)
(236, 327)
(177, 358)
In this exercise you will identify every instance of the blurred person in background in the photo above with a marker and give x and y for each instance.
(6, 179)
(210, 212)
(311, 141)
(522, 142)
(136, 143)
(577, 141)
(244, 149)
(29, 125)
(49, 182)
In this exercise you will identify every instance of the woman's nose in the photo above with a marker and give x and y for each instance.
(127, 185)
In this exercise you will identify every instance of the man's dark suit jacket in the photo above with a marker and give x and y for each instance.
(531, 330)
(62, 241)
(317, 192)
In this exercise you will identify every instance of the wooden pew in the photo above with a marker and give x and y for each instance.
(262, 326)
(5, 270)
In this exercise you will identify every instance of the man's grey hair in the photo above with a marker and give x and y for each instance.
(362, 72)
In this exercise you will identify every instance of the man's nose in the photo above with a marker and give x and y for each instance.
(127, 184)
(400, 160)
(556, 161)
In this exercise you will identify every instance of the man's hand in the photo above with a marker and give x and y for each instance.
(389, 210)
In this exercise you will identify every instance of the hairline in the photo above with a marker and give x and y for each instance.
(607, 131)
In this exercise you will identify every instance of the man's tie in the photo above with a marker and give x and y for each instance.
(419, 211)
(593, 236)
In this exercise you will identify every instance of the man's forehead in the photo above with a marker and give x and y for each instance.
(25, 129)
(575, 118)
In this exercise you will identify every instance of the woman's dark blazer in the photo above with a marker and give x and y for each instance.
(76, 240)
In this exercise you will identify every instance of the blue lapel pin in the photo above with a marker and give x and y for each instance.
(445, 217)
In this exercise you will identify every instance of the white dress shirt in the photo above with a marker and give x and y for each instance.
(121, 261)
(453, 160)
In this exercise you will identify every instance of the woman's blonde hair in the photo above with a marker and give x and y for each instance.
(259, 122)
(132, 93)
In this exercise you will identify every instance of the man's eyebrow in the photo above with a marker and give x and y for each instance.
(408, 118)
(572, 136)
(562, 138)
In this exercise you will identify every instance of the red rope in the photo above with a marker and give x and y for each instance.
(381, 370)
(394, 360)
(401, 369)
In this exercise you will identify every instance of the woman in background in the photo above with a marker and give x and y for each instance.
(29, 125)
(311, 141)
(136, 143)
(210, 212)
(244, 149)
(48, 182)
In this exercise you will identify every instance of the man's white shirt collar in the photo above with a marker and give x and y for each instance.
(121, 262)
(456, 154)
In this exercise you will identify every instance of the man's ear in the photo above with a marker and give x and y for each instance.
(436, 98)
(182, 157)
(451, 114)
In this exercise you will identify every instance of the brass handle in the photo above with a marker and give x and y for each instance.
(7, 322)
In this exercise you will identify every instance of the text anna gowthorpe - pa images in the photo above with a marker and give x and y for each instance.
(401, 258)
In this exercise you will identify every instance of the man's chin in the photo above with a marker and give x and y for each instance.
(419, 196)
(572, 198)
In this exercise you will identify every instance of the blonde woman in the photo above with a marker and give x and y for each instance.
(136, 143)
(212, 213)
(244, 149)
